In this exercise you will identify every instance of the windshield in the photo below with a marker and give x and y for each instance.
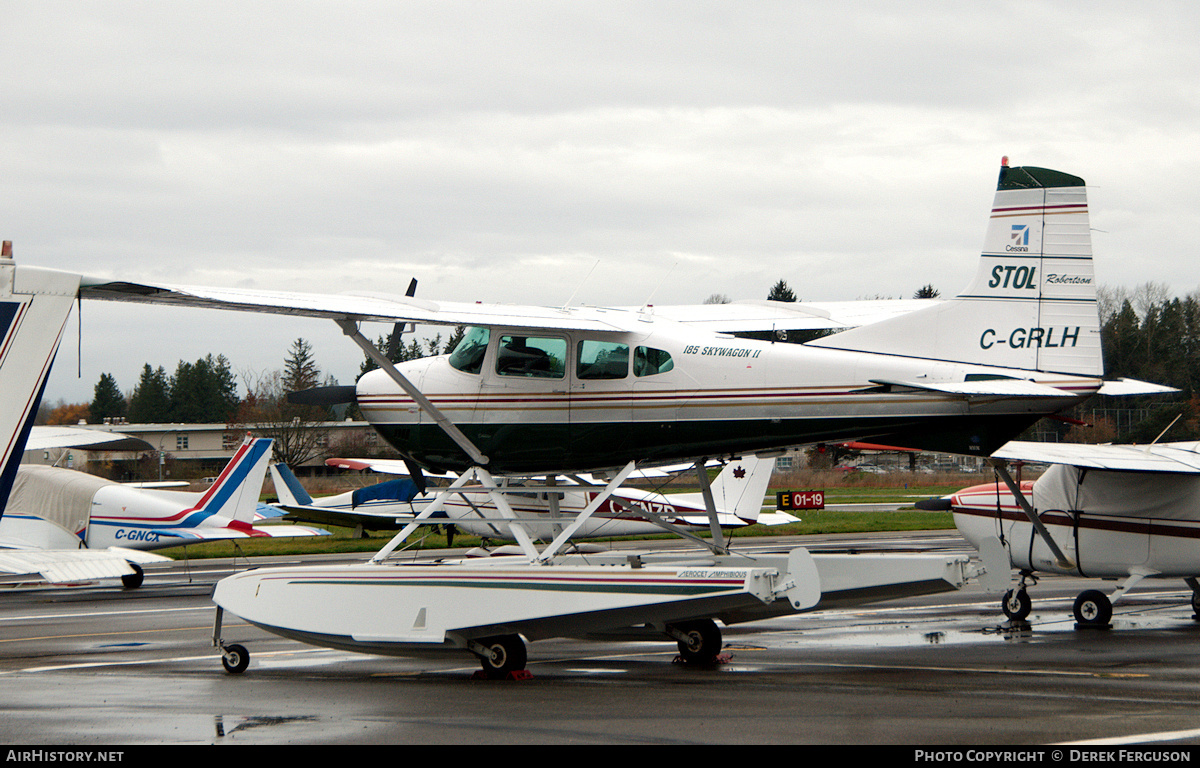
(468, 355)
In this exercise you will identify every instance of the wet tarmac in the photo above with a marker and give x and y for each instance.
(97, 665)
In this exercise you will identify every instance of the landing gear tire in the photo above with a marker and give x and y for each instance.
(235, 658)
(504, 654)
(1092, 609)
(701, 643)
(135, 579)
(1196, 606)
(1016, 605)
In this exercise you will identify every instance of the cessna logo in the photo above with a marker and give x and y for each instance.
(1013, 277)
(1020, 238)
(1028, 338)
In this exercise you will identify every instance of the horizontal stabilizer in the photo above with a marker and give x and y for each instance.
(1126, 387)
(983, 388)
(192, 535)
(368, 520)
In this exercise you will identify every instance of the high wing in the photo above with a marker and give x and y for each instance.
(1161, 457)
(738, 317)
(354, 306)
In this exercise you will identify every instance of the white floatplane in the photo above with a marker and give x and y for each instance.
(1125, 512)
(574, 389)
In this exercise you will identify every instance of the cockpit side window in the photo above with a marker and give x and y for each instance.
(648, 361)
(602, 360)
(468, 355)
(533, 357)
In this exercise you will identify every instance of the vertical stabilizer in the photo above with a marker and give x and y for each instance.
(742, 486)
(1032, 304)
(236, 491)
(288, 488)
(34, 306)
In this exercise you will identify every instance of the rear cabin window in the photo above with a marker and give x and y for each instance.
(602, 360)
(532, 357)
(648, 361)
(468, 355)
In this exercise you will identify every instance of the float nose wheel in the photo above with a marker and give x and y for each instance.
(235, 658)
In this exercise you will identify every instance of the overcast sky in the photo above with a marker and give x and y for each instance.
(501, 151)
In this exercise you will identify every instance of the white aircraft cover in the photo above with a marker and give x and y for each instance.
(61, 566)
(62, 496)
(1127, 494)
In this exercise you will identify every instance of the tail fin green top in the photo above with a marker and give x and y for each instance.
(1032, 303)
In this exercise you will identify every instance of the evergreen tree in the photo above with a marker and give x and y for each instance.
(300, 371)
(927, 291)
(781, 292)
(150, 402)
(107, 400)
(203, 392)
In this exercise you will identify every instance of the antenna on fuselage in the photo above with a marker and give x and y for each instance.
(646, 305)
(581, 282)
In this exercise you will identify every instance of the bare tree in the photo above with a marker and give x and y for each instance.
(299, 431)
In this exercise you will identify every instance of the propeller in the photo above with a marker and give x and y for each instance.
(399, 328)
(342, 394)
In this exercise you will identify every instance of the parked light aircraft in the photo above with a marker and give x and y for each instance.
(1127, 512)
(67, 525)
(738, 492)
(53, 515)
(547, 391)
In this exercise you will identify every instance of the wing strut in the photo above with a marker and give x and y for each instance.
(562, 538)
(714, 525)
(664, 524)
(1001, 469)
(434, 506)
(350, 328)
(496, 495)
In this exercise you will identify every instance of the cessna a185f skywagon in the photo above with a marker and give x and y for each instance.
(537, 391)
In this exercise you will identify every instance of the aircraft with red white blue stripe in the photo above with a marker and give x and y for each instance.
(55, 510)
(69, 526)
